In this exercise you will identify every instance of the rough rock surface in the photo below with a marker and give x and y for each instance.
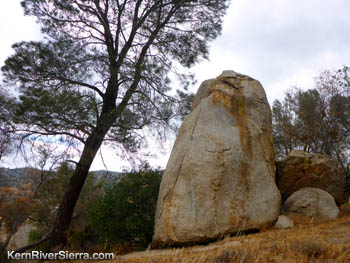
(300, 169)
(284, 221)
(20, 239)
(220, 175)
(311, 204)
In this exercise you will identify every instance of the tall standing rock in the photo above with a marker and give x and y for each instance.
(220, 175)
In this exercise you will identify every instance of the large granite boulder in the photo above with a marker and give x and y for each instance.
(220, 175)
(300, 169)
(20, 239)
(311, 204)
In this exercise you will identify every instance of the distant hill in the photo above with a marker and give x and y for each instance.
(109, 177)
(13, 177)
(18, 176)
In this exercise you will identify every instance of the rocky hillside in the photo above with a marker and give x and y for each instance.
(109, 177)
(13, 177)
(19, 176)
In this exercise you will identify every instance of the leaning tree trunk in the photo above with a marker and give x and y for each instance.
(76, 183)
(7, 241)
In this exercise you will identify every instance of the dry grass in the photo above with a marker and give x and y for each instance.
(327, 242)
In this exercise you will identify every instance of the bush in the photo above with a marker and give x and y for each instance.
(126, 211)
(35, 235)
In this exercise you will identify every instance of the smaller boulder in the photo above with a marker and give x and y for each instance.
(311, 204)
(301, 169)
(284, 222)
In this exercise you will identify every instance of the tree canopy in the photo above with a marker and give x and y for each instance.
(103, 73)
(6, 136)
(316, 120)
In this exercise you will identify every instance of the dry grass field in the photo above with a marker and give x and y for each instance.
(327, 242)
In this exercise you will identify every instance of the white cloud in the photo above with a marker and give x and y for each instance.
(15, 27)
(281, 42)
(278, 42)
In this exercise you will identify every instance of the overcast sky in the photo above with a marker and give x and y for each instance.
(281, 43)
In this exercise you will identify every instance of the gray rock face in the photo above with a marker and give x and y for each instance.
(220, 175)
(311, 204)
(20, 239)
(284, 221)
(300, 169)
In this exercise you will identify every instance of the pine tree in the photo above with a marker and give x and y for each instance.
(102, 73)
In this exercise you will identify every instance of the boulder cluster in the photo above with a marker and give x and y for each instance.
(221, 177)
(311, 186)
(300, 169)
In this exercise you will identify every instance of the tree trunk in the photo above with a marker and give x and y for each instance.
(76, 183)
(7, 241)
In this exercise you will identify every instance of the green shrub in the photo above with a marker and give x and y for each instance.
(77, 238)
(126, 211)
(34, 235)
